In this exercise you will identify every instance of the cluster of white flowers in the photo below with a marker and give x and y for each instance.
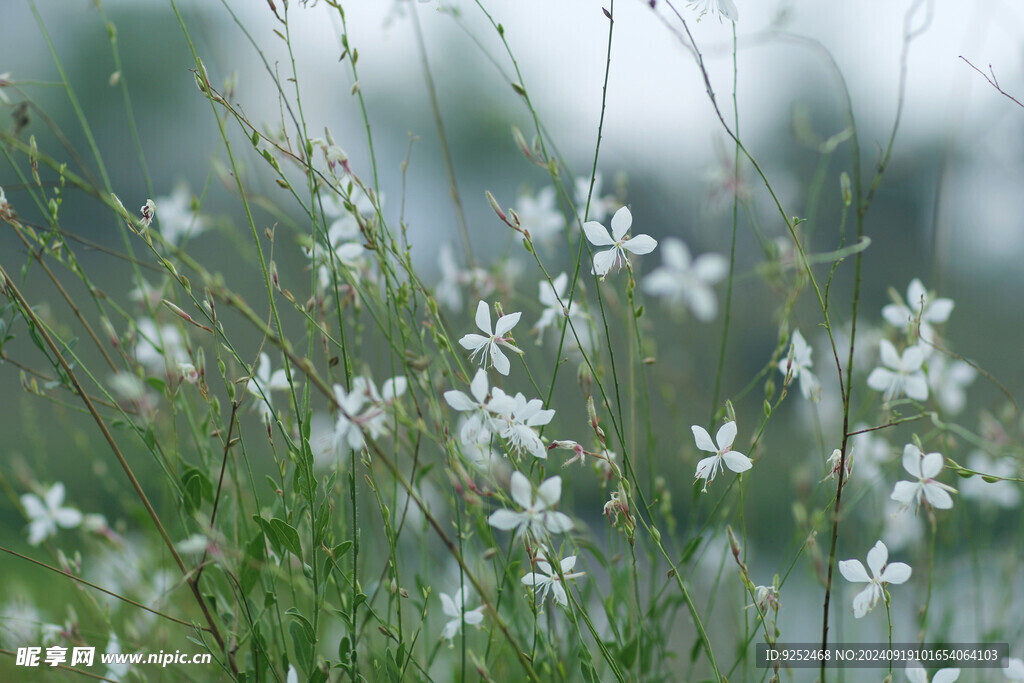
(363, 410)
(343, 233)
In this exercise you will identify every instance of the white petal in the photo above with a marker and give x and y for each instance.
(726, 435)
(737, 462)
(916, 386)
(728, 10)
(937, 497)
(522, 490)
(915, 674)
(557, 522)
(448, 605)
(702, 302)
(896, 315)
(459, 401)
(938, 311)
(506, 323)
(55, 496)
(931, 465)
(888, 354)
(473, 617)
(604, 261)
(865, 600)
(506, 520)
(559, 594)
(946, 675)
(567, 564)
(483, 317)
(450, 629)
(912, 460)
(34, 507)
(905, 492)
(550, 491)
(896, 572)
(917, 295)
(913, 358)
(877, 557)
(70, 518)
(473, 342)
(711, 267)
(880, 379)
(621, 222)
(853, 570)
(708, 467)
(597, 234)
(641, 244)
(703, 439)
(499, 360)
(478, 387)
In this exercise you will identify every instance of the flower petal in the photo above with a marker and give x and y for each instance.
(912, 460)
(946, 675)
(506, 520)
(865, 600)
(550, 491)
(473, 617)
(896, 572)
(605, 261)
(522, 490)
(478, 387)
(473, 342)
(448, 605)
(459, 401)
(641, 244)
(877, 557)
(737, 462)
(621, 222)
(499, 360)
(703, 439)
(888, 354)
(506, 323)
(937, 497)
(915, 674)
(853, 571)
(905, 492)
(726, 435)
(880, 379)
(597, 234)
(483, 317)
(916, 386)
(931, 465)
(557, 522)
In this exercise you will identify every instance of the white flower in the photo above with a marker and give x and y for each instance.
(917, 674)
(546, 578)
(684, 281)
(347, 429)
(537, 515)
(375, 418)
(177, 219)
(477, 423)
(454, 607)
(615, 257)
(918, 309)
(188, 372)
(903, 374)
(925, 468)
(539, 216)
(515, 419)
(147, 212)
(551, 293)
(170, 352)
(948, 381)
(724, 8)
(709, 467)
(488, 345)
(46, 514)
(881, 573)
(798, 366)
(263, 382)
(1002, 493)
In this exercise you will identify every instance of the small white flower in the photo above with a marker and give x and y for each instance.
(46, 514)
(188, 373)
(546, 578)
(681, 280)
(177, 219)
(537, 516)
(919, 309)
(723, 456)
(947, 380)
(158, 359)
(917, 674)
(551, 293)
(615, 257)
(375, 419)
(798, 366)
(347, 430)
(477, 423)
(515, 420)
(724, 8)
(488, 345)
(454, 607)
(263, 382)
(881, 573)
(540, 216)
(924, 468)
(902, 374)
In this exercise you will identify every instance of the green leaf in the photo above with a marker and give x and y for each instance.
(627, 655)
(303, 645)
(288, 536)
